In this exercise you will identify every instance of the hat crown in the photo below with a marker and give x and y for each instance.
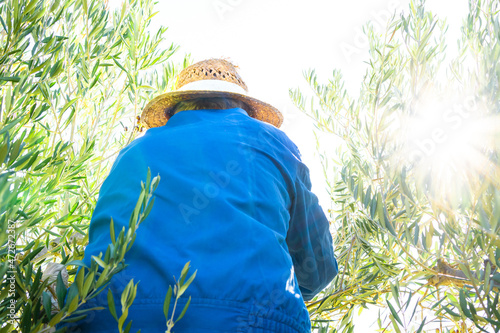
(211, 69)
(212, 78)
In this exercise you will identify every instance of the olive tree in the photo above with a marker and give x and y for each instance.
(414, 178)
(74, 76)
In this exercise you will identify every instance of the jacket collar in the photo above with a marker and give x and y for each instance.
(190, 116)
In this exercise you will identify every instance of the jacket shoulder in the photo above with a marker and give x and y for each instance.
(283, 138)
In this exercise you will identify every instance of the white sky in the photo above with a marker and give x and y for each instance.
(274, 41)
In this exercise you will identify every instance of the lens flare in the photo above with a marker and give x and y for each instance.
(447, 142)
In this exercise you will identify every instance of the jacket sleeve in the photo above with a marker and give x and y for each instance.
(309, 240)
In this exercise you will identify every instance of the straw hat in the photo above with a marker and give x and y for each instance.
(208, 79)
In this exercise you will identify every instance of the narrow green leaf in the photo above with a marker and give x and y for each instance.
(88, 284)
(57, 318)
(463, 304)
(60, 290)
(68, 104)
(127, 328)
(394, 313)
(183, 287)
(73, 304)
(380, 209)
(111, 305)
(72, 293)
(373, 207)
(148, 209)
(77, 263)
(451, 312)
(166, 303)
(47, 304)
(184, 272)
(99, 261)
(85, 7)
(10, 78)
(74, 319)
(368, 196)
(125, 294)
(421, 327)
(119, 65)
(3, 152)
(184, 310)
(56, 68)
(395, 294)
(112, 231)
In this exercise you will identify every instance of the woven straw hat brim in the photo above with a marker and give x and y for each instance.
(157, 111)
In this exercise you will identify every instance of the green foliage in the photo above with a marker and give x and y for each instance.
(88, 285)
(179, 289)
(415, 180)
(74, 77)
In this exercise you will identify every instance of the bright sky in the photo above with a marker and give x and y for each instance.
(274, 41)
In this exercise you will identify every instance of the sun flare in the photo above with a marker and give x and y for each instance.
(447, 141)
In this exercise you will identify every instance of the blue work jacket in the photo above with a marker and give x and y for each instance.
(235, 200)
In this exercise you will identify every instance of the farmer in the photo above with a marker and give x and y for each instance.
(234, 199)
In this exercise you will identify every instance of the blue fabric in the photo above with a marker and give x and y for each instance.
(234, 199)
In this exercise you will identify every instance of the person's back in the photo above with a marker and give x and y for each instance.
(234, 199)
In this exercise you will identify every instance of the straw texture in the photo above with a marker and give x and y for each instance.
(212, 69)
(158, 111)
